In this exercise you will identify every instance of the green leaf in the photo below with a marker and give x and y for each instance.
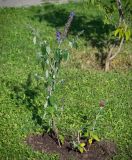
(51, 110)
(43, 65)
(48, 50)
(90, 141)
(39, 56)
(92, 2)
(47, 61)
(82, 144)
(43, 49)
(121, 33)
(81, 149)
(37, 77)
(75, 45)
(65, 55)
(47, 74)
(106, 20)
(34, 40)
(94, 136)
(58, 55)
(75, 144)
(46, 104)
(127, 34)
(86, 134)
(70, 44)
(116, 32)
(61, 138)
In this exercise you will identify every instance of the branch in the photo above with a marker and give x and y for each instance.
(119, 49)
(121, 14)
(110, 52)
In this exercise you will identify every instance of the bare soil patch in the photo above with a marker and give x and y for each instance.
(103, 150)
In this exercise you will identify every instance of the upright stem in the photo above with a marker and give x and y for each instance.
(118, 50)
(120, 10)
(67, 26)
(78, 137)
(55, 130)
(95, 121)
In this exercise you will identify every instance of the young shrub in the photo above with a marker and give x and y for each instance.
(50, 60)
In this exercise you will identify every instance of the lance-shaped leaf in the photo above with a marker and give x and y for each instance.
(48, 50)
(58, 55)
(116, 32)
(65, 55)
(127, 34)
(81, 149)
(47, 74)
(34, 39)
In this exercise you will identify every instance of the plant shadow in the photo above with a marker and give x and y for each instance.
(95, 31)
(24, 94)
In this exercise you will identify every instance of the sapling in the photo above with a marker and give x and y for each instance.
(87, 134)
(50, 60)
(121, 32)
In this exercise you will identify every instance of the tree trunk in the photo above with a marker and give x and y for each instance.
(107, 65)
(107, 61)
(112, 53)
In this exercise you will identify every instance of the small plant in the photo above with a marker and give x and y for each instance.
(50, 60)
(92, 134)
(79, 146)
(86, 136)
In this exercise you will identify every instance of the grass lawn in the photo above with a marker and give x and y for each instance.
(85, 83)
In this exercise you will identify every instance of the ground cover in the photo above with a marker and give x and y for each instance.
(85, 82)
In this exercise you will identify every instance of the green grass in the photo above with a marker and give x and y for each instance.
(83, 88)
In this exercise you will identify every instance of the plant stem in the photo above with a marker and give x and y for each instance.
(95, 121)
(118, 51)
(78, 137)
(55, 130)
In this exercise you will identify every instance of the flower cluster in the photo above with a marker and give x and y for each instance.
(72, 14)
(62, 36)
(58, 36)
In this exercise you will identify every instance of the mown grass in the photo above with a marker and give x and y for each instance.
(82, 90)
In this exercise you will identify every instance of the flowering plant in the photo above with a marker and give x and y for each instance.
(50, 60)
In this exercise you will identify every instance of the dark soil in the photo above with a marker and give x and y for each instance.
(103, 150)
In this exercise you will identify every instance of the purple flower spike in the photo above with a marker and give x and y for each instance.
(58, 36)
(72, 14)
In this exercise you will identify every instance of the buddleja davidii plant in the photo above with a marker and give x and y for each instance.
(50, 60)
(89, 135)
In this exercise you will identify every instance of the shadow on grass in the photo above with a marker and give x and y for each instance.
(24, 94)
(95, 31)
